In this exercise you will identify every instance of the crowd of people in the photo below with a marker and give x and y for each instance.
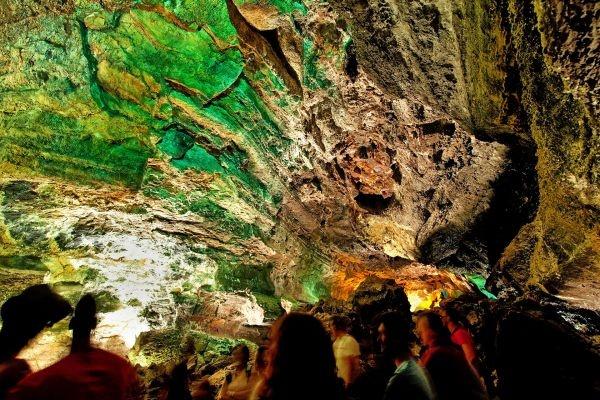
(305, 358)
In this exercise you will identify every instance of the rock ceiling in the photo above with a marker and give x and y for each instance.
(154, 150)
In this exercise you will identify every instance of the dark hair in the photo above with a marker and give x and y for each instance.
(84, 318)
(179, 383)
(398, 332)
(436, 325)
(245, 352)
(302, 365)
(24, 316)
(454, 315)
(340, 323)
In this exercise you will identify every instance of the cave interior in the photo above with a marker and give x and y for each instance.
(202, 166)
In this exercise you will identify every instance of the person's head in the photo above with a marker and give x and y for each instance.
(450, 315)
(24, 316)
(301, 360)
(84, 319)
(394, 334)
(340, 325)
(179, 383)
(431, 329)
(241, 355)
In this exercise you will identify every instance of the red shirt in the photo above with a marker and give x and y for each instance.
(461, 336)
(90, 375)
(451, 375)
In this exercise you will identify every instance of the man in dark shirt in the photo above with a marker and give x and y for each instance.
(409, 381)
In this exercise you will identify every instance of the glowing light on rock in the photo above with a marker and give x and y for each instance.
(287, 305)
(117, 332)
(424, 299)
(120, 327)
(47, 348)
(141, 266)
(253, 313)
(425, 285)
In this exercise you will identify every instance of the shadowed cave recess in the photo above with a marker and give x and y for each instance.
(200, 166)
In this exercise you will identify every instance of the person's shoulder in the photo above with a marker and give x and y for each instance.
(49, 372)
(410, 369)
(349, 341)
(397, 386)
(15, 367)
(449, 356)
(411, 383)
(34, 382)
(461, 335)
(260, 391)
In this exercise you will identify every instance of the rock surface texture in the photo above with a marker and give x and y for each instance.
(165, 153)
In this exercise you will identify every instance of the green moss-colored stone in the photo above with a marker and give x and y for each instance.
(270, 304)
(168, 346)
(198, 158)
(134, 303)
(71, 291)
(14, 282)
(311, 266)
(23, 262)
(284, 6)
(176, 144)
(75, 154)
(565, 230)
(314, 77)
(106, 301)
(234, 273)
(479, 32)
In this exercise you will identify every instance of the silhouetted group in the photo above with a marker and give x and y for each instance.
(302, 359)
(86, 373)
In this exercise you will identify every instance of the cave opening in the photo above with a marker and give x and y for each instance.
(375, 203)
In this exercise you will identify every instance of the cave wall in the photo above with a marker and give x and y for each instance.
(196, 150)
(555, 47)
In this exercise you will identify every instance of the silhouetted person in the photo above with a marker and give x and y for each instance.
(373, 380)
(409, 381)
(179, 383)
(23, 317)
(301, 362)
(345, 349)
(452, 376)
(86, 373)
(237, 385)
(459, 334)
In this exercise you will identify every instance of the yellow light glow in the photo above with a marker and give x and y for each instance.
(425, 285)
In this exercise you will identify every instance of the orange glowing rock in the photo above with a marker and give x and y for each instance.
(425, 285)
